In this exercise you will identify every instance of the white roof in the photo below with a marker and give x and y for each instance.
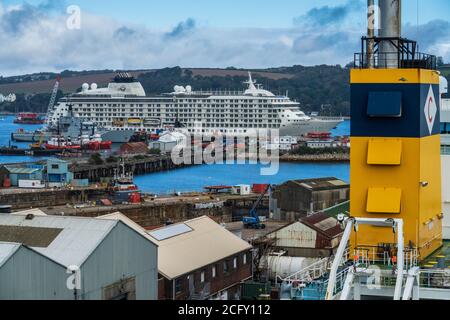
(7, 249)
(78, 237)
(36, 212)
(133, 225)
(187, 251)
(172, 136)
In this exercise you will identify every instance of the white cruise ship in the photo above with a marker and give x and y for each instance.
(124, 106)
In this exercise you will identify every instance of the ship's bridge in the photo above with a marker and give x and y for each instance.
(123, 85)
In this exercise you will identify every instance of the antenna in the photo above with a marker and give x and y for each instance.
(250, 82)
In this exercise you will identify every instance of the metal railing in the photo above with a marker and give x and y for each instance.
(309, 274)
(439, 279)
(313, 272)
(316, 290)
(365, 255)
(405, 55)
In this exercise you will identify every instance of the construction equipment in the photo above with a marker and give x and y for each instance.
(253, 221)
(39, 144)
(51, 104)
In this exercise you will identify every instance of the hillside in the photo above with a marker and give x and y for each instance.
(319, 88)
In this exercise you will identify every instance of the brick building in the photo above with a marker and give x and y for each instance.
(199, 260)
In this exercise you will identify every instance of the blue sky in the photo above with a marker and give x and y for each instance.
(232, 13)
(199, 33)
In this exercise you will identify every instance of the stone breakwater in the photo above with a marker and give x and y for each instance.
(338, 157)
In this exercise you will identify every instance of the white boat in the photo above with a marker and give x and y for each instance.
(124, 106)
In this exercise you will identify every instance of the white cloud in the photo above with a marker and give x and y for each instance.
(36, 39)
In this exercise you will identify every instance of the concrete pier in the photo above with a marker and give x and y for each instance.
(137, 166)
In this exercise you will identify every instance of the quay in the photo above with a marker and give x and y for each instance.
(137, 165)
(11, 151)
(327, 157)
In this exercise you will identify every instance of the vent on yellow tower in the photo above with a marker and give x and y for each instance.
(386, 152)
(384, 104)
(384, 200)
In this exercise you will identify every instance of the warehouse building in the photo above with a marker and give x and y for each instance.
(18, 285)
(58, 173)
(315, 236)
(199, 259)
(11, 175)
(59, 258)
(298, 198)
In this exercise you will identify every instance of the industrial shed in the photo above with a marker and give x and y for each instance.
(17, 284)
(114, 261)
(134, 148)
(297, 198)
(315, 236)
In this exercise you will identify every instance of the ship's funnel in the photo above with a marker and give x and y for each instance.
(390, 28)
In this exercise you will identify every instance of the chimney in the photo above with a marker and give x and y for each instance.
(390, 20)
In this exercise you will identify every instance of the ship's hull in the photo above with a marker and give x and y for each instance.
(113, 136)
(30, 122)
(315, 125)
(117, 136)
(30, 137)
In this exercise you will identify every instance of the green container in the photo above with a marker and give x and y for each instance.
(253, 290)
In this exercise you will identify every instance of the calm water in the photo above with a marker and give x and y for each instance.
(195, 178)
(6, 128)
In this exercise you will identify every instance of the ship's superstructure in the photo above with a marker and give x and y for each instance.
(392, 245)
(123, 105)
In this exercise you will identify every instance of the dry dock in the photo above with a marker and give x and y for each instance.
(155, 212)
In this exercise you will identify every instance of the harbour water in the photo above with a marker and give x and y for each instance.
(7, 126)
(195, 178)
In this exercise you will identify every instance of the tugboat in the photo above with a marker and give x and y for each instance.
(60, 143)
(123, 188)
(28, 118)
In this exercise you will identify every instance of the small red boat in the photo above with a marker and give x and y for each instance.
(96, 143)
(61, 144)
(28, 118)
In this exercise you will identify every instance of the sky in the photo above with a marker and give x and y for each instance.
(144, 34)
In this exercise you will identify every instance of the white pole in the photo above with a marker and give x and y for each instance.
(338, 258)
(400, 260)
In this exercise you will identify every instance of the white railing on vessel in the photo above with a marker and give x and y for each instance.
(313, 272)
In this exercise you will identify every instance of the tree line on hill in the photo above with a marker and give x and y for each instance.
(323, 89)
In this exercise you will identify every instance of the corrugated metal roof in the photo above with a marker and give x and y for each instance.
(133, 225)
(16, 170)
(207, 243)
(321, 183)
(323, 223)
(36, 212)
(7, 249)
(78, 238)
